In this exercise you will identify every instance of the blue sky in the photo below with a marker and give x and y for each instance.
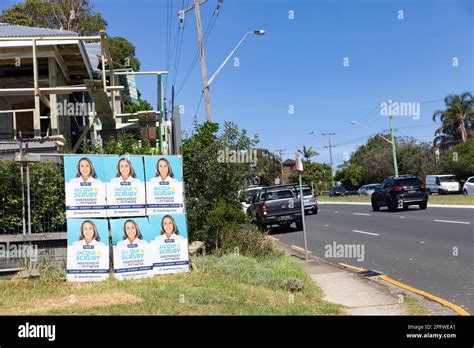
(299, 62)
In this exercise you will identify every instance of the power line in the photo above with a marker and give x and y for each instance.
(207, 33)
(182, 26)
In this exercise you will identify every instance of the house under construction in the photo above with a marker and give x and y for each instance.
(58, 86)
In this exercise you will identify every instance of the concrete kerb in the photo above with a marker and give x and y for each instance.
(379, 284)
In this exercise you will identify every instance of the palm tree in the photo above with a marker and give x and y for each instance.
(457, 120)
(308, 152)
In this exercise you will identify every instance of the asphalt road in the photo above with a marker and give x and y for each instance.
(431, 250)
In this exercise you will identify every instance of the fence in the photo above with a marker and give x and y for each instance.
(32, 208)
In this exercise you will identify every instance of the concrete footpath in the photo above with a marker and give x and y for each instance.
(363, 295)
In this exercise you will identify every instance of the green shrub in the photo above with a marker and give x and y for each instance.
(247, 240)
(279, 271)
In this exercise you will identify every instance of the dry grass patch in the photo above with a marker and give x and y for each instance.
(71, 302)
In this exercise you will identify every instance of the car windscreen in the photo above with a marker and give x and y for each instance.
(250, 193)
(408, 182)
(273, 195)
(371, 187)
(307, 192)
(447, 179)
(340, 189)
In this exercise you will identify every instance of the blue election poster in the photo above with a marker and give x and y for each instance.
(87, 250)
(84, 178)
(169, 246)
(130, 239)
(125, 178)
(164, 188)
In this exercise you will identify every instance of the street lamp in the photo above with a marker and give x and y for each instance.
(392, 142)
(255, 32)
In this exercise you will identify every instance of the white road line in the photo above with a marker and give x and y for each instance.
(372, 234)
(363, 214)
(454, 222)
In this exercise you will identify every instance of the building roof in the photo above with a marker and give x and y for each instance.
(93, 50)
(11, 30)
(289, 163)
(79, 57)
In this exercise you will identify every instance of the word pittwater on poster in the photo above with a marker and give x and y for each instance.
(88, 250)
(131, 239)
(169, 247)
(84, 178)
(164, 175)
(125, 186)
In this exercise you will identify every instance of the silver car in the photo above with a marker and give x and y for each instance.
(468, 188)
(367, 190)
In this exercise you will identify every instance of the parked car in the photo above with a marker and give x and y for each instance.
(246, 196)
(442, 184)
(337, 191)
(276, 205)
(367, 190)
(309, 199)
(400, 192)
(468, 188)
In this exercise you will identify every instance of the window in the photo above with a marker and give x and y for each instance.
(448, 179)
(270, 196)
(471, 181)
(408, 182)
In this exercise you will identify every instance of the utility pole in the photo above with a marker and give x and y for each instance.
(330, 155)
(394, 148)
(202, 56)
(281, 164)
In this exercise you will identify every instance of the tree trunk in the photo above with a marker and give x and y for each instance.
(463, 129)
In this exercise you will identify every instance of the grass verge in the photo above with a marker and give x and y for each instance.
(433, 199)
(229, 285)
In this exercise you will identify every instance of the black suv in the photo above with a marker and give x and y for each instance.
(400, 192)
(337, 191)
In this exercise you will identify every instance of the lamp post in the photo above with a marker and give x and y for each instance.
(255, 32)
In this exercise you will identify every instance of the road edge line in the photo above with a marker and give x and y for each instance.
(454, 307)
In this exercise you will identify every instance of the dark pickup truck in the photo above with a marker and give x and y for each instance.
(276, 205)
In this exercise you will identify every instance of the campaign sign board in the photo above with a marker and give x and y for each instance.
(87, 250)
(164, 184)
(169, 247)
(130, 239)
(84, 178)
(125, 186)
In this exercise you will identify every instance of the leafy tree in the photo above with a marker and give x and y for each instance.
(372, 162)
(457, 120)
(210, 182)
(317, 175)
(351, 177)
(72, 15)
(416, 158)
(375, 159)
(267, 168)
(308, 152)
(123, 52)
(459, 160)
